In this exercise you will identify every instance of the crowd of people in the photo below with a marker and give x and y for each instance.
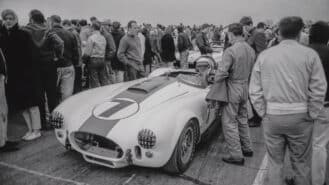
(281, 70)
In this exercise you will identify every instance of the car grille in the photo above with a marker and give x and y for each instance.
(96, 144)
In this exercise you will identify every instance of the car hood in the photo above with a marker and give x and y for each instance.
(101, 116)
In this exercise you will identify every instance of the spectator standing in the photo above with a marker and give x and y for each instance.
(48, 48)
(319, 37)
(168, 48)
(130, 51)
(23, 73)
(117, 66)
(202, 40)
(148, 54)
(94, 57)
(65, 68)
(236, 68)
(257, 40)
(110, 47)
(183, 45)
(254, 36)
(287, 89)
(77, 64)
(85, 32)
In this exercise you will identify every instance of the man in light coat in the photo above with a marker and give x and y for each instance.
(287, 90)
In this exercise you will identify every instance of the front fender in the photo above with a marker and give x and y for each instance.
(168, 132)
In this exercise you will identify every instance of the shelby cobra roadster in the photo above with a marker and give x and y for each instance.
(153, 122)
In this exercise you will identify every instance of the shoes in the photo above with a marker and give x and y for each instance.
(26, 135)
(32, 136)
(10, 146)
(231, 160)
(248, 153)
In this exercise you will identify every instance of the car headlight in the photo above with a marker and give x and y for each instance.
(146, 138)
(56, 120)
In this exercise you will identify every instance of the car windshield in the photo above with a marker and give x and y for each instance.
(195, 80)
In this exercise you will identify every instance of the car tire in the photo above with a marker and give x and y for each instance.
(184, 151)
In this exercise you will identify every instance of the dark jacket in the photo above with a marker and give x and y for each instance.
(49, 46)
(323, 51)
(257, 41)
(110, 46)
(167, 48)
(78, 40)
(183, 42)
(148, 54)
(203, 43)
(116, 63)
(23, 86)
(71, 52)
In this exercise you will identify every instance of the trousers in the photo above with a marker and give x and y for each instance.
(236, 129)
(320, 148)
(293, 133)
(65, 82)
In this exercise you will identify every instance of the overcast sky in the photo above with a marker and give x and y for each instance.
(173, 11)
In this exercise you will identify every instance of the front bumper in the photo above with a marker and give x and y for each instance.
(93, 152)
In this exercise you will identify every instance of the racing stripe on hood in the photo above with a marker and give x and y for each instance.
(106, 115)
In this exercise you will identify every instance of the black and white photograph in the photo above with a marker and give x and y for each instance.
(164, 92)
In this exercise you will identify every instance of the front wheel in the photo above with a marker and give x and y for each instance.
(184, 150)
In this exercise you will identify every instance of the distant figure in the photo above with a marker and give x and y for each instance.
(168, 48)
(94, 57)
(184, 44)
(148, 54)
(287, 89)
(130, 51)
(117, 66)
(202, 40)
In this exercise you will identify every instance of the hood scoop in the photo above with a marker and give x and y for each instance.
(150, 85)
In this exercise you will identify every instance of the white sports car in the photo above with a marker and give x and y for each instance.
(153, 122)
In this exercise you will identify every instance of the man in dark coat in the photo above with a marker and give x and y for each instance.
(23, 85)
(202, 40)
(148, 54)
(49, 48)
(65, 68)
(168, 48)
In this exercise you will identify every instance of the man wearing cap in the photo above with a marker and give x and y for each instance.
(202, 40)
(110, 46)
(65, 68)
(236, 68)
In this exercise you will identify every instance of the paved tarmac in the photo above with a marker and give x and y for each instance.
(46, 162)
